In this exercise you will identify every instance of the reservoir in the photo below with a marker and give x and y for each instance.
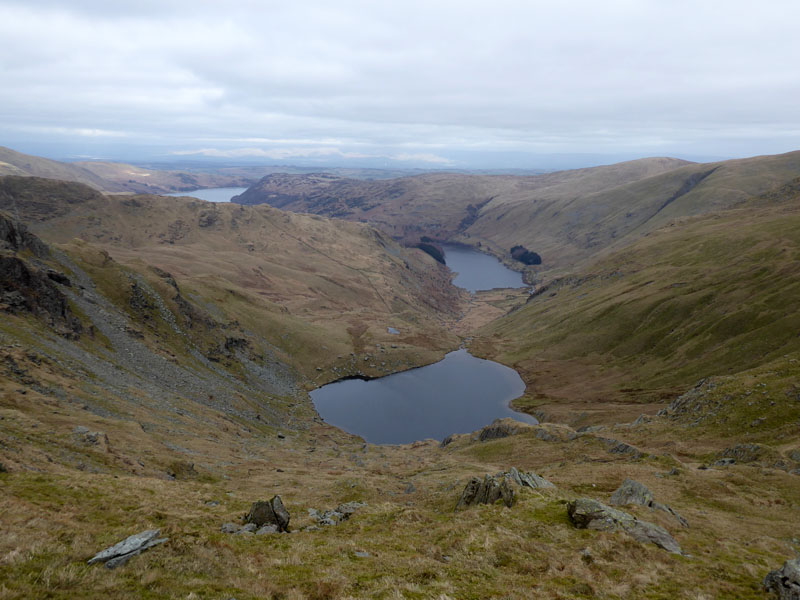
(458, 394)
(212, 194)
(478, 271)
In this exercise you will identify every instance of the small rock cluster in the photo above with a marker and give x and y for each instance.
(334, 516)
(94, 438)
(119, 554)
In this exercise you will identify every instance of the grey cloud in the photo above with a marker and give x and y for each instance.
(405, 79)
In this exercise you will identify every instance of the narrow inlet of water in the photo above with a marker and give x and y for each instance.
(477, 271)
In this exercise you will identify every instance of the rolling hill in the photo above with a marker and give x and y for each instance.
(567, 217)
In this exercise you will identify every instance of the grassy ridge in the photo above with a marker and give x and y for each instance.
(571, 222)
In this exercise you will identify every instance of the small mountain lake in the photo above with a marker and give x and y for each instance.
(478, 271)
(458, 394)
(223, 194)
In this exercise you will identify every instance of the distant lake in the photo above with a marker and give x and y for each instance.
(479, 271)
(213, 194)
(458, 394)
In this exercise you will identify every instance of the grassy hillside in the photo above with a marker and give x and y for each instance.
(316, 288)
(716, 294)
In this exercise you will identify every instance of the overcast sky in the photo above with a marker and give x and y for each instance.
(408, 83)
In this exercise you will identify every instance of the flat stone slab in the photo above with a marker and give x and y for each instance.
(120, 553)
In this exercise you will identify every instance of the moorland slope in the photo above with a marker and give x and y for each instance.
(154, 354)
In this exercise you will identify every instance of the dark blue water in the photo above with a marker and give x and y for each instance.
(213, 194)
(479, 271)
(456, 395)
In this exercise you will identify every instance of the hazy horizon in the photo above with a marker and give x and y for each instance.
(423, 85)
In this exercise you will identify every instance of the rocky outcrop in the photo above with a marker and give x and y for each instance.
(586, 513)
(618, 447)
(26, 287)
(119, 554)
(633, 492)
(695, 405)
(500, 428)
(487, 491)
(784, 583)
(271, 512)
(15, 236)
(743, 453)
(500, 487)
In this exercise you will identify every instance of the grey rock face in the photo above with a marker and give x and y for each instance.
(269, 513)
(26, 288)
(586, 513)
(119, 554)
(784, 583)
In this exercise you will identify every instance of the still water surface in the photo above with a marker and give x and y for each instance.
(213, 194)
(479, 271)
(459, 394)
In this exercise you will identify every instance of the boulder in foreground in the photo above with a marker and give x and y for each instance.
(271, 512)
(586, 513)
(785, 582)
